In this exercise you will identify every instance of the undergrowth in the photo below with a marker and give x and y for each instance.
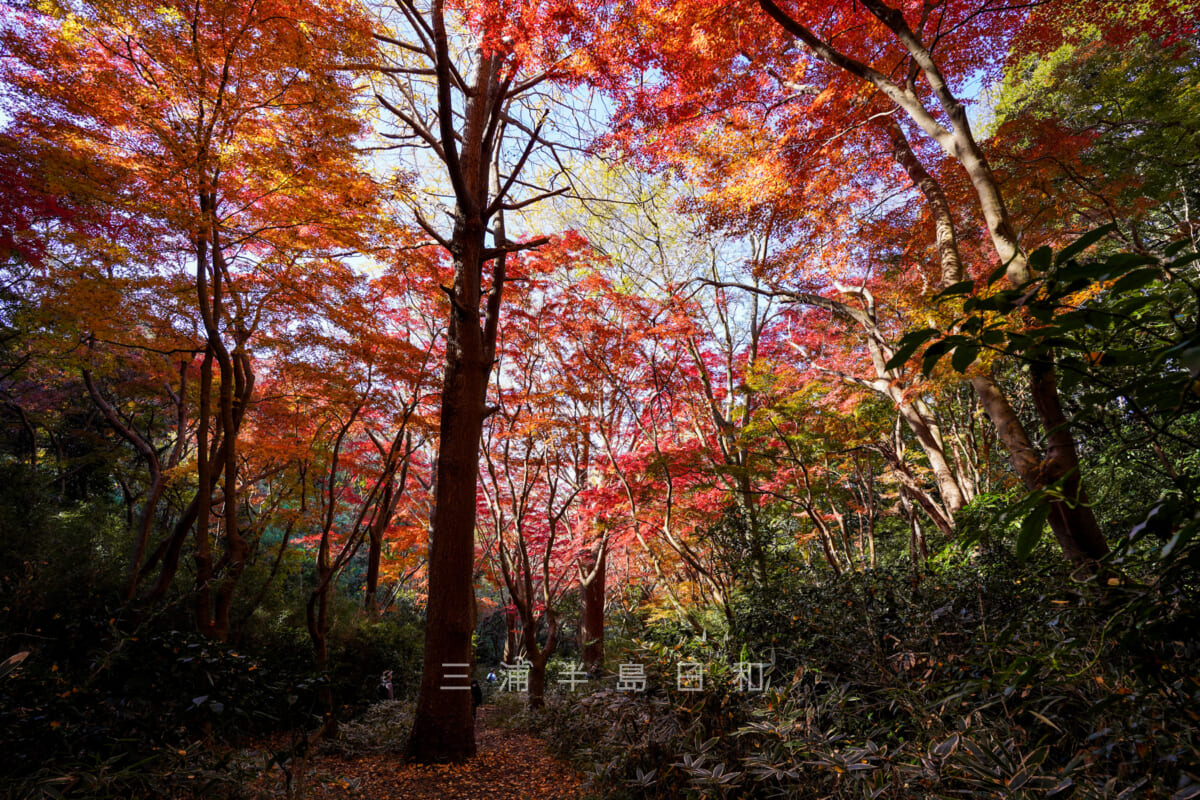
(980, 679)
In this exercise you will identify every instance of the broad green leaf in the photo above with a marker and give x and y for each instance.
(934, 352)
(1031, 529)
(964, 356)
(1124, 262)
(993, 336)
(997, 274)
(1135, 280)
(962, 287)
(1084, 242)
(1039, 260)
(908, 345)
(1184, 260)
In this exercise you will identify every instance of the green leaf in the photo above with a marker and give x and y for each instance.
(1002, 302)
(1181, 537)
(933, 353)
(1039, 260)
(962, 287)
(908, 345)
(964, 356)
(1072, 320)
(1130, 305)
(1124, 262)
(1135, 280)
(1087, 272)
(998, 273)
(1031, 529)
(1190, 356)
(1041, 313)
(993, 336)
(1175, 247)
(1084, 242)
(1184, 260)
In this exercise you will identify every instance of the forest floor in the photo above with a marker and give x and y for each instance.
(508, 765)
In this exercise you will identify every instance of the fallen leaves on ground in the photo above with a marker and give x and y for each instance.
(507, 766)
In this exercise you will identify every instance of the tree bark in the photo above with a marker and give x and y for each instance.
(443, 725)
(375, 556)
(204, 480)
(218, 460)
(463, 120)
(537, 684)
(443, 729)
(1072, 519)
(591, 629)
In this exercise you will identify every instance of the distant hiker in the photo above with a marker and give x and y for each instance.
(385, 686)
(491, 678)
(476, 696)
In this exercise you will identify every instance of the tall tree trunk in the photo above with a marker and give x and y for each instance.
(233, 394)
(443, 727)
(204, 481)
(1072, 519)
(464, 119)
(375, 552)
(591, 629)
(237, 386)
(539, 655)
(922, 423)
(317, 619)
(537, 684)
(317, 612)
(1073, 522)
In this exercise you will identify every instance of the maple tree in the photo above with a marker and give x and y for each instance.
(363, 382)
(535, 462)
(656, 454)
(527, 496)
(814, 88)
(334, 319)
(235, 144)
(461, 82)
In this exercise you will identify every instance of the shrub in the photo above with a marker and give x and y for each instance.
(980, 679)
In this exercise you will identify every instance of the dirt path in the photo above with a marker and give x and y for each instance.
(508, 766)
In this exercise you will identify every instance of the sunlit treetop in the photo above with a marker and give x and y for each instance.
(236, 97)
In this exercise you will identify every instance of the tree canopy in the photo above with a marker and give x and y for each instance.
(499, 331)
